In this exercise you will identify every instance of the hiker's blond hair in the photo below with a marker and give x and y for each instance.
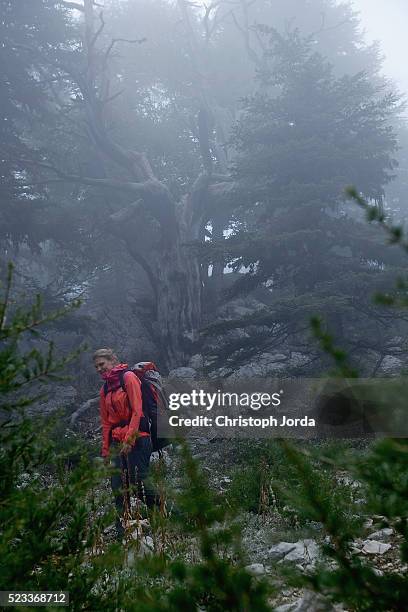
(106, 353)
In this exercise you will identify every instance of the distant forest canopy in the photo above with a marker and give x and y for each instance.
(182, 170)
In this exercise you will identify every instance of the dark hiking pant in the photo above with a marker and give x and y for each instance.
(132, 471)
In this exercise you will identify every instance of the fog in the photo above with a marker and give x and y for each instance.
(386, 21)
(149, 150)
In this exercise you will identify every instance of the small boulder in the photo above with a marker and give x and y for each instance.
(301, 551)
(383, 534)
(256, 569)
(183, 374)
(391, 365)
(306, 550)
(278, 551)
(373, 547)
(196, 362)
(310, 602)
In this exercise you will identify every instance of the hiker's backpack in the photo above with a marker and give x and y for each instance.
(154, 400)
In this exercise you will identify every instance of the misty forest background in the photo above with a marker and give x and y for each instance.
(182, 170)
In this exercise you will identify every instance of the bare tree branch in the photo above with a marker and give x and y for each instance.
(98, 32)
(127, 213)
(323, 27)
(206, 20)
(253, 56)
(72, 5)
(112, 97)
(114, 41)
(83, 408)
(146, 188)
(222, 191)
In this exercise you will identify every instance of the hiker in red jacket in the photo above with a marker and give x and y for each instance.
(125, 427)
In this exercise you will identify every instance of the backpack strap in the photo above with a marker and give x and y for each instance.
(122, 379)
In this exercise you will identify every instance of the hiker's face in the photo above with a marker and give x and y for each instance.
(103, 365)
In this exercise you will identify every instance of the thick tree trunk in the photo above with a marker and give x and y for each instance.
(173, 271)
(174, 275)
(179, 295)
(178, 304)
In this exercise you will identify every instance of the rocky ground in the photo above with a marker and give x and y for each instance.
(269, 540)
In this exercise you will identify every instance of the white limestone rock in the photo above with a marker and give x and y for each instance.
(373, 547)
(196, 362)
(391, 365)
(183, 373)
(310, 602)
(256, 569)
(303, 551)
(382, 534)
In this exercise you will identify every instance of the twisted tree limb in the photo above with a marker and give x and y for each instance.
(83, 408)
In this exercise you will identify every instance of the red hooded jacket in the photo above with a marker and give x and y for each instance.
(119, 406)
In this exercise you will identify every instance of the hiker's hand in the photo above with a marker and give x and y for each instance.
(125, 448)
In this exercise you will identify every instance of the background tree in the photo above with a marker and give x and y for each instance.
(298, 145)
(122, 228)
(33, 35)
